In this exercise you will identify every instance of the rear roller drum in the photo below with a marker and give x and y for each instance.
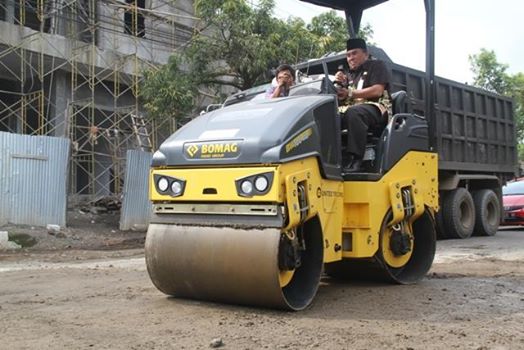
(263, 267)
(403, 257)
(406, 257)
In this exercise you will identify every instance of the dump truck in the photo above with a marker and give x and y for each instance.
(250, 205)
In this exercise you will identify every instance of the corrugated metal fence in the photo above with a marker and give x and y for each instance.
(136, 207)
(33, 179)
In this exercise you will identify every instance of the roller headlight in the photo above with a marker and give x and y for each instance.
(254, 185)
(261, 183)
(163, 184)
(247, 187)
(169, 185)
(176, 188)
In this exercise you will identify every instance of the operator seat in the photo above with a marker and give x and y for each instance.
(399, 105)
(398, 101)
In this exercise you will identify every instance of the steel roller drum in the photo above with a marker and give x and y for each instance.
(223, 264)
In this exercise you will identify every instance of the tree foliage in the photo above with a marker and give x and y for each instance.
(331, 32)
(516, 89)
(491, 75)
(237, 45)
(169, 91)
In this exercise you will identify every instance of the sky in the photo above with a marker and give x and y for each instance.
(462, 28)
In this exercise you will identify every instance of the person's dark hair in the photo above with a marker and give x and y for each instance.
(284, 67)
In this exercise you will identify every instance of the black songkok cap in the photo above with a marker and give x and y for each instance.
(356, 43)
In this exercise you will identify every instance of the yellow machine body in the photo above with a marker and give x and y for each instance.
(351, 213)
(366, 203)
(250, 204)
(342, 220)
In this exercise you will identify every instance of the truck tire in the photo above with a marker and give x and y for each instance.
(458, 213)
(487, 209)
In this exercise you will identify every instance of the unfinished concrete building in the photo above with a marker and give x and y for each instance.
(72, 68)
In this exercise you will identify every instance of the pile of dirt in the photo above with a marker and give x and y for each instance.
(86, 230)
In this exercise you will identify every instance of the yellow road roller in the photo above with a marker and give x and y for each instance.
(250, 205)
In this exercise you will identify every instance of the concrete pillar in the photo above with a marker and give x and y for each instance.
(59, 18)
(10, 11)
(60, 94)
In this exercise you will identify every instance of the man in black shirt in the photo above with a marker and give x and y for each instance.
(364, 99)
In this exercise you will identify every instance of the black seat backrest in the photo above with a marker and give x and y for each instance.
(398, 100)
(327, 87)
(404, 133)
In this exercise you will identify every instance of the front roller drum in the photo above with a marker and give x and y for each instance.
(231, 265)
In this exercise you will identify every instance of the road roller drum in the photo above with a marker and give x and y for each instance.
(228, 265)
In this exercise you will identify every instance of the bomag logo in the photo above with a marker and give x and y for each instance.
(192, 150)
(206, 150)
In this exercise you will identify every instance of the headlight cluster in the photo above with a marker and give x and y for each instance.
(254, 185)
(169, 185)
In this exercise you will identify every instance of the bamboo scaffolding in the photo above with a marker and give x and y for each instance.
(100, 80)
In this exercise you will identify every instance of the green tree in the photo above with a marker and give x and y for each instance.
(491, 75)
(296, 42)
(169, 91)
(366, 33)
(331, 31)
(236, 45)
(516, 89)
(241, 43)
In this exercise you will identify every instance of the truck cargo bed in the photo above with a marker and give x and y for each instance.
(475, 129)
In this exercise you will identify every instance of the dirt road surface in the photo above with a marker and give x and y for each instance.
(77, 299)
